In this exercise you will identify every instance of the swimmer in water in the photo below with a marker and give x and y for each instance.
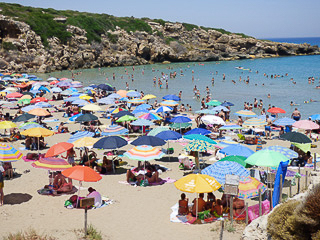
(269, 96)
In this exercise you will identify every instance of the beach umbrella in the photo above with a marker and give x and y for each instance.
(150, 116)
(213, 103)
(207, 111)
(14, 95)
(227, 104)
(180, 126)
(39, 112)
(26, 96)
(163, 109)
(200, 131)
(144, 153)
(80, 135)
(219, 108)
(237, 149)
(264, 117)
(230, 127)
(105, 87)
(212, 119)
(143, 106)
(180, 119)
(149, 96)
(305, 124)
(123, 113)
(30, 125)
(28, 108)
(58, 148)
(37, 132)
(7, 124)
(106, 100)
(296, 137)
(171, 97)
(276, 110)
(169, 103)
(51, 79)
(114, 130)
(43, 105)
(220, 169)
(133, 94)
(142, 122)
(22, 118)
(266, 158)
(136, 101)
(113, 96)
(74, 117)
(126, 118)
(64, 84)
(237, 159)
(122, 93)
(315, 117)
(51, 163)
(148, 140)
(91, 107)
(79, 102)
(24, 101)
(284, 121)
(249, 188)
(85, 97)
(199, 137)
(5, 102)
(245, 113)
(111, 142)
(85, 142)
(197, 183)
(9, 153)
(285, 151)
(39, 99)
(198, 146)
(71, 99)
(138, 112)
(86, 118)
(254, 122)
(116, 110)
(157, 130)
(169, 135)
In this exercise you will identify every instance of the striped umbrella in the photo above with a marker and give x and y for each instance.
(249, 187)
(285, 151)
(254, 122)
(245, 113)
(164, 109)
(136, 101)
(220, 169)
(169, 103)
(259, 143)
(79, 135)
(51, 163)
(198, 146)
(199, 137)
(114, 130)
(284, 121)
(157, 130)
(150, 116)
(8, 153)
(144, 153)
(230, 127)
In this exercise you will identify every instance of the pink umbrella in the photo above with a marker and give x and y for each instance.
(305, 124)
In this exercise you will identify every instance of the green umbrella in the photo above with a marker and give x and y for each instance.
(180, 125)
(157, 130)
(24, 101)
(266, 158)
(237, 159)
(213, 103)
(199, 137)
(26, 123)
(126, 118)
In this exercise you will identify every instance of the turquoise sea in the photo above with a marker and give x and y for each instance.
(282, 89)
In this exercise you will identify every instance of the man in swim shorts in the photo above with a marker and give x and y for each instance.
(296, 115)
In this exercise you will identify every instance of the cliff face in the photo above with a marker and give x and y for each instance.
(23, 51)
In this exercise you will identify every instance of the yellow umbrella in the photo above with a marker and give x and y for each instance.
(37, 132)
(3, 93)
(39, 112)
(26, 97)
(85, 141)
(91, 107)
(149, 96)
(7, 124)
(197, 183)
(85, 97)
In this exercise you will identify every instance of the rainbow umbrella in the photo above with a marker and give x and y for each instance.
(249, 187)
(144, 153)
(9, 153)
(150, 116)
(254, 122)
(114, 130)
(51, 163)
(136, 101)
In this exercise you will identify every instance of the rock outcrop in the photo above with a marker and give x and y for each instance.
(23, 50)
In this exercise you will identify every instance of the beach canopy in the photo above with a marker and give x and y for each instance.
(220, 169)
(142, 122)
(157, 130)
(285, 151)
(212, 119)
(197, 183)
(51, 163)
(249, 188)
(114, 130)
(284, 121)
(111, 142)
(37, 132)
(148, 140)
(171, 97)
(180, 119)
(144, 153)
(254, 122)
(40, 112)
(86, 118)
(9, 153)
(199, 137)
(58, 148)
(305, 124)
(91, 107)
(149, 96)
(150, 116)
(237, 150)
(169, 135)
(200, 131)
(23, 118)
(276, 110)
(39, 99)
(296, 137)
(7, 124)
(85, 142)
(266, 158)
(126, 118)
(122, 113)
(82, 173)
(245, 113)
(198, 146)
(237, 159)
(80, 135)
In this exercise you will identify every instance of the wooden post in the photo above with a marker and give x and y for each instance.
(307, 173)
(280, 193)
(222, 228)
(247, 216)
(271, 202)
(290, 190)
(260, 203)
(85, 221)
(231, 210)
(315, 162)
(298, 190)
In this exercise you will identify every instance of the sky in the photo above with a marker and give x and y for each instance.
(258, 18)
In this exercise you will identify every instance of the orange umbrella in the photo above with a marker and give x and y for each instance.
(39, 99)
(39, 112)
(82, 173)
(14, 95)
(276, 110)
(122, 93)
(54, 82)
(58, 148)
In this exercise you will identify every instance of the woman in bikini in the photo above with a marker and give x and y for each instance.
(183, 205)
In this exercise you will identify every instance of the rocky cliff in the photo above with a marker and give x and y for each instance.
(23, 50)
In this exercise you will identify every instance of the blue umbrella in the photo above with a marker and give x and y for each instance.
(71, 99)
(164, 109)
(134, 94)
(34, 91)
(75, 94)
(56, 90)
(105, 87)
(73, 118)
(79, 135)
(140, 111)
(114, 95)
(142, 122)
(199, 137)
(33, 125)
(315, 117)
(111, 142)
(66, 92)
(171, 97)
(106, 100)
(143, 106)
(220, 169)
(169, 135)
(23, 118)
(219, 108)
(284, 121)
(180, 119)
(28, 108)
(227, 104)
(207, 111)
(200, 131)
(237, 150)
(285, 151)
(87, 88)
(148, 140)
(93, 86)
(43, 105)
(264, 117)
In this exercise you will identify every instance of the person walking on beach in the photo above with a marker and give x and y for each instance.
(296, 115)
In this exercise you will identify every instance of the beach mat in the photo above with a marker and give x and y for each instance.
(163, 181)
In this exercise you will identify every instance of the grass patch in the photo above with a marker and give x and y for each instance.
(8, 46)
(230, 228)
(27, 235)
(112, 37)
(168, 40)
(189, 27)
(92, 233)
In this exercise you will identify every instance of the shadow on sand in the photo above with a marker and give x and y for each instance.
(16, 198)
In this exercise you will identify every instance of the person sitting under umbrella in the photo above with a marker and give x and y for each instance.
(183, 205)
(199, 205)
(62, 128)
(96, 195)
(105, 167)
(150, 174)
(60, 184)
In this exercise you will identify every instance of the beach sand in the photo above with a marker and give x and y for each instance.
(137, 212)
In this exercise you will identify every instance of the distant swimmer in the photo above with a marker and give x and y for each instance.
(269, 96)
(234, 82)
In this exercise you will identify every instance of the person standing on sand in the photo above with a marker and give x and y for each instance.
(296, 115)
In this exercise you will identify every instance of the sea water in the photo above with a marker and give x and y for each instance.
(282, 90)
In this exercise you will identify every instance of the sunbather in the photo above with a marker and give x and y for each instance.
(96, 195)
(60, 184)
(217, 208)
(199, 205)
(183, 205)
(62, 128)
(105, 167)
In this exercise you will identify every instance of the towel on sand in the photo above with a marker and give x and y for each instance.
(163, 181)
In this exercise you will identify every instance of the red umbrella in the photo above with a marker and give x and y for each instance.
(82, 173)
(58, 148)
(39, 99)
(54, 82)
(14, 95)
(276, 110)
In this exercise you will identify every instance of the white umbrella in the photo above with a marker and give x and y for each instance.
(212, 119)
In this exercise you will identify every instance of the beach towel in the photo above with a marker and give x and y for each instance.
(253, 211)
(162, 181)
(282, 169)
(49, 192)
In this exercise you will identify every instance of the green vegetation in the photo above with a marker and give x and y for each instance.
(169, 39)
(189, 27)
(160, 21)
(93, 234)
(224, 31)
(112, 37)
(27, 235)
(8, 46)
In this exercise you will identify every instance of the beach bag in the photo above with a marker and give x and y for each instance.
(144, 183)
(204, 215)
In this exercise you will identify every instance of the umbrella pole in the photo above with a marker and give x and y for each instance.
(197, 206)
(38, 145)
(80, 185)
(167, 151)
